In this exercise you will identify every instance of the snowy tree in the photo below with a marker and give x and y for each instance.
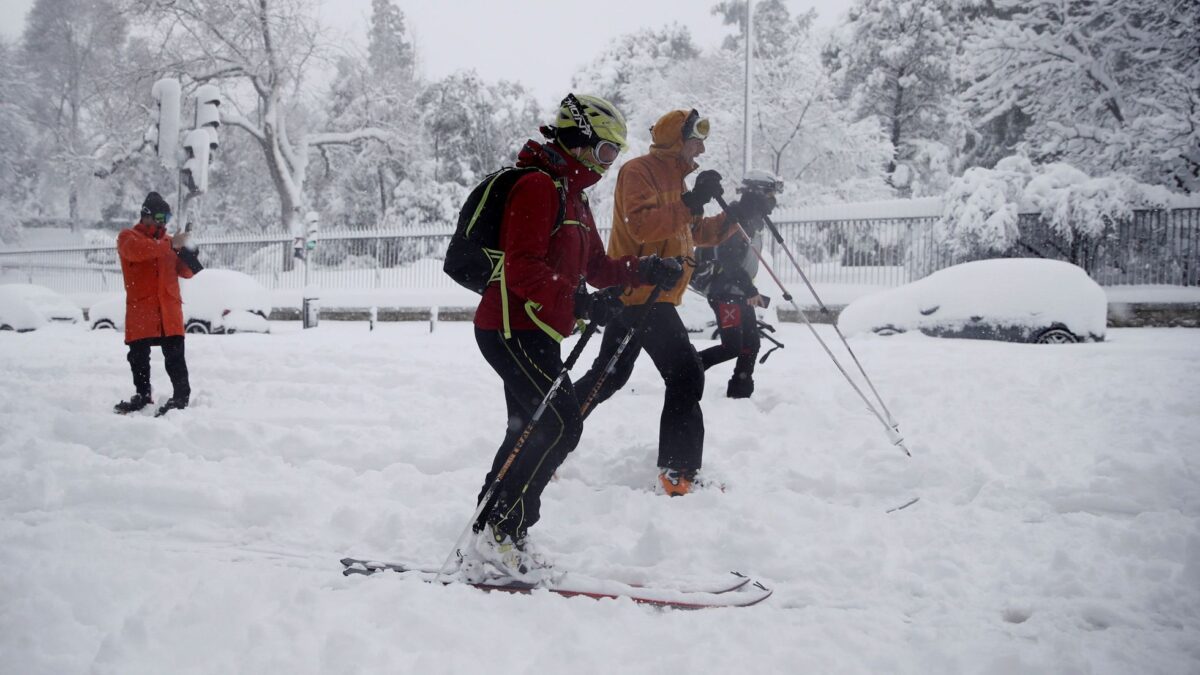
(16, 147)
(71, 50)
(389, 48)
(261, 53)
(1109, 85)
(774, 26)
(801, 132)
(476, 127)
(894, 61)
(632, 58)
(353, 185)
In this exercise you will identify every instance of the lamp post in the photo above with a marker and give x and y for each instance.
(747, 156)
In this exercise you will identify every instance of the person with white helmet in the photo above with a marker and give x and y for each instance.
(731, 291)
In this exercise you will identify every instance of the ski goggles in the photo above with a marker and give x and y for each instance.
(162, 218)
(606, 152)
(695, 126)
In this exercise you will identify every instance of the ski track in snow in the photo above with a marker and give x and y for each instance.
(1056, 530)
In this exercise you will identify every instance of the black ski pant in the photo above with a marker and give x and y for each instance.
(663, 336)
(737, 325)
(172, 350)
(528, 363)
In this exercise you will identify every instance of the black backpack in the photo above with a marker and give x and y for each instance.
(474, 258)
(706, 269)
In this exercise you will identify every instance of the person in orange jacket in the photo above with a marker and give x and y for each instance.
(151, 266)
(655, 213)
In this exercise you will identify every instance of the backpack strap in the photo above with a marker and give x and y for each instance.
(560, 185)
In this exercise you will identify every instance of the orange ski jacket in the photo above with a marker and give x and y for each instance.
(649, 215)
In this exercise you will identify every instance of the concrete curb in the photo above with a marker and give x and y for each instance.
(1120, 314)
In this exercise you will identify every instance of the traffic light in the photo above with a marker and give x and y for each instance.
(196, 145)
(201, 141)
(208, 114)
(165, 131)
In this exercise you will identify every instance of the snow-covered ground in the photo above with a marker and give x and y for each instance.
(1057, 529)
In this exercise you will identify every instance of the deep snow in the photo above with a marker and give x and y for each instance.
(1057, 528)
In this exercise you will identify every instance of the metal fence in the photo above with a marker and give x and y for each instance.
(1151, 247)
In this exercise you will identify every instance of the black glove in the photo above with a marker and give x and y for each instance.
(661, 272)
(606, 305)
(750, 209)
(599, 307)
(707, 188)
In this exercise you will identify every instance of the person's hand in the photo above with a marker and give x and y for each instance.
(599, 307)
(661, 272)
(179, 240)
(583, 301)
(750, 209)
(707, 188)
(756, 301)
(606, 305)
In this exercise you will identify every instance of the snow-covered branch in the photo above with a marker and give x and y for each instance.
(348, 137)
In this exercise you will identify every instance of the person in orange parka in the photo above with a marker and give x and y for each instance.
(151, 265)
(655, 213)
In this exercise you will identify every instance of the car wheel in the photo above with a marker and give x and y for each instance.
(888, 330)
(104, 323)
(197, 326)
(1056, 336)
(4, 326)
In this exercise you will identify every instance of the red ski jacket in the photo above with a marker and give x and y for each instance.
(544, 260)
(153, 306)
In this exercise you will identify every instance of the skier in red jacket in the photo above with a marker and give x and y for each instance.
(520, 323)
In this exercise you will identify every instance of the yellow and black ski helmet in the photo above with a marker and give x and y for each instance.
(584, 121)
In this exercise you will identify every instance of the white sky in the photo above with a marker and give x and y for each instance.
(535, 42)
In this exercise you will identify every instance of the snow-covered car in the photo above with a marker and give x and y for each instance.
(214, 301)
(25, 307)
(1010, 299)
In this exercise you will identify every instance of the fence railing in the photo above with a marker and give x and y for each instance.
(1151, 247)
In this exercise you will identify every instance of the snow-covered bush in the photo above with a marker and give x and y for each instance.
(1075, 213)
(1077, 205)
(979, 218)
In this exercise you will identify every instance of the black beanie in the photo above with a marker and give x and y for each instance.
(155, 204)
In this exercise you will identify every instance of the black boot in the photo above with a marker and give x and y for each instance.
(741, 385)
(134, 404)
(173, 403)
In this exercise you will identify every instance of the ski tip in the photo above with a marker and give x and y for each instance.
(905, 505)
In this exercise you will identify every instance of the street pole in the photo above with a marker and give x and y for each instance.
(746, 158)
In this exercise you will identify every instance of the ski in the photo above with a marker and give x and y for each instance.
(352, 566)
(738, 591)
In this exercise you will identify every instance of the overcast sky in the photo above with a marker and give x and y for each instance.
(535, 42)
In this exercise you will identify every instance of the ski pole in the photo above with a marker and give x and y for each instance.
(825, 310)
(612, 362)
(516, 450)
(892, 431)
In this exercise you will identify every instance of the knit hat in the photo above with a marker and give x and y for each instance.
(155, 204)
